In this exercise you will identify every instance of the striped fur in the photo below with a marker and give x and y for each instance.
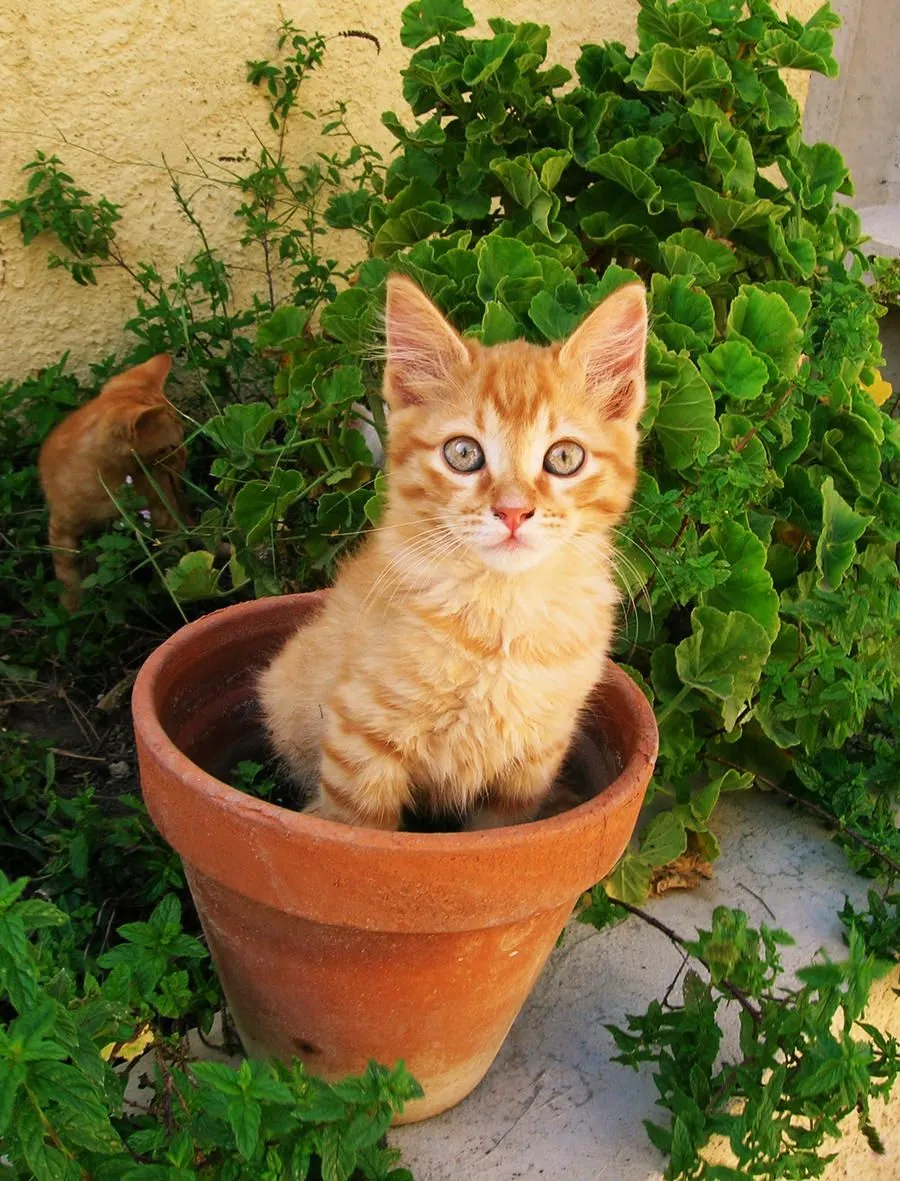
(452, 659)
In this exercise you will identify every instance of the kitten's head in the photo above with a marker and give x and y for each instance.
(141, 418)
(514, 450)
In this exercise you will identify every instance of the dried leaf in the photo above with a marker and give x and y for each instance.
(684, 873)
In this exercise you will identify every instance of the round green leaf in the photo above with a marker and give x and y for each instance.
(724, 656)
(841, 529)
(733, 369)
(749, 585)
(764, 320)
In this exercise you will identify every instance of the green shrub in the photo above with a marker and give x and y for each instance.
(62, 1111)
(260, 527)
(759, 561)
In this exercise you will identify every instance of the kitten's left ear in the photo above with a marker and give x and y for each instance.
(609, 346)
(422, 348)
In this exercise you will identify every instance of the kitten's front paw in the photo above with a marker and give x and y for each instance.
(323, 810)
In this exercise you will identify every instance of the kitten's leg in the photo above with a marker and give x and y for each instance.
(362, 779)
(64, 544)
(516, 796)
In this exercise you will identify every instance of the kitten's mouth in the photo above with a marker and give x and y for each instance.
(512, 543)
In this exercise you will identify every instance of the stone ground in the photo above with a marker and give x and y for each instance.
(553, 1105)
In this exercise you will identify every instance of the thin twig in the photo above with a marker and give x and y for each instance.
(70, 754)
(761, 901)
(822, 813)
(681, 530)
(770, 413)
(732, 989)
(684, 962)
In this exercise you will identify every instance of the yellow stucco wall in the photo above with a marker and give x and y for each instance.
(115, 88)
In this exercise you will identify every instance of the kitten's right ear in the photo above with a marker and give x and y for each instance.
(422, 348)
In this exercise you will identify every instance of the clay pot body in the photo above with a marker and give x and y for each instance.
(337, 945)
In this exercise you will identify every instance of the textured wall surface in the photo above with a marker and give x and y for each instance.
(861, 113)
(116, 90)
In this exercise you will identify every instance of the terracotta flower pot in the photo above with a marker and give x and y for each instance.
(337, 945)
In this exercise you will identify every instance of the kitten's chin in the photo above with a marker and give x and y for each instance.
(511, 558)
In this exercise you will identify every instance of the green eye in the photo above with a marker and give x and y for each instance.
(564, 458)
(464, 454)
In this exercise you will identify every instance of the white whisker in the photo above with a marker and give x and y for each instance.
(395, 564)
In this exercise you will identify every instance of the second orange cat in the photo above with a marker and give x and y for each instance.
(129, 430)
(460, 643)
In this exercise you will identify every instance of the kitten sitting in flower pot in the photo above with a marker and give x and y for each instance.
(449, 666)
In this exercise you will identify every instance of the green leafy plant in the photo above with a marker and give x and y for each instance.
(290, 472)
(62, 1110)
(758, 565)
(807, 1058)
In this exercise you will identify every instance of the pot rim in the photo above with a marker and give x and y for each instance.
(327, 832)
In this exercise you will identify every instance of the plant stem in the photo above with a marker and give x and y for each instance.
(732, 989)
(772, 411)
(822, 813)
(673, 704)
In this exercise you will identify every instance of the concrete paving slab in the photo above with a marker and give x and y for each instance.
(553, 1105)
(882, 224)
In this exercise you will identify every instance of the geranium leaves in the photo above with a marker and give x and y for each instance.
(800, 48)
(723, 657)
(728, 214)
(734, 369)
(728, 151)
(763, 320)
(415, 213)
(841, 529)
(262, 502)
(749, 585)
(670, 69)
(629, 164)
(685, 421)
(688, 252)
(530, 182)
(658, 22)
(518, 206)
(683, 317)
(425, 19)
(509, 272)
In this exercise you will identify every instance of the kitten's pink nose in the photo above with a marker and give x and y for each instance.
(512, 517)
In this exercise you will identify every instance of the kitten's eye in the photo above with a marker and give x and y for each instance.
(564, 458)
(464, 454)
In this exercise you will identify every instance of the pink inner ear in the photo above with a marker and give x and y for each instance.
(421, 345)
(410, 357)
(403, 392)
(610, 344)
(622, 403)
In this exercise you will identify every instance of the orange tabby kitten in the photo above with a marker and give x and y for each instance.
(129, 427)
(459, 644)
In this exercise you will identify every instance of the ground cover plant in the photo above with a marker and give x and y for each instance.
(759, 567)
